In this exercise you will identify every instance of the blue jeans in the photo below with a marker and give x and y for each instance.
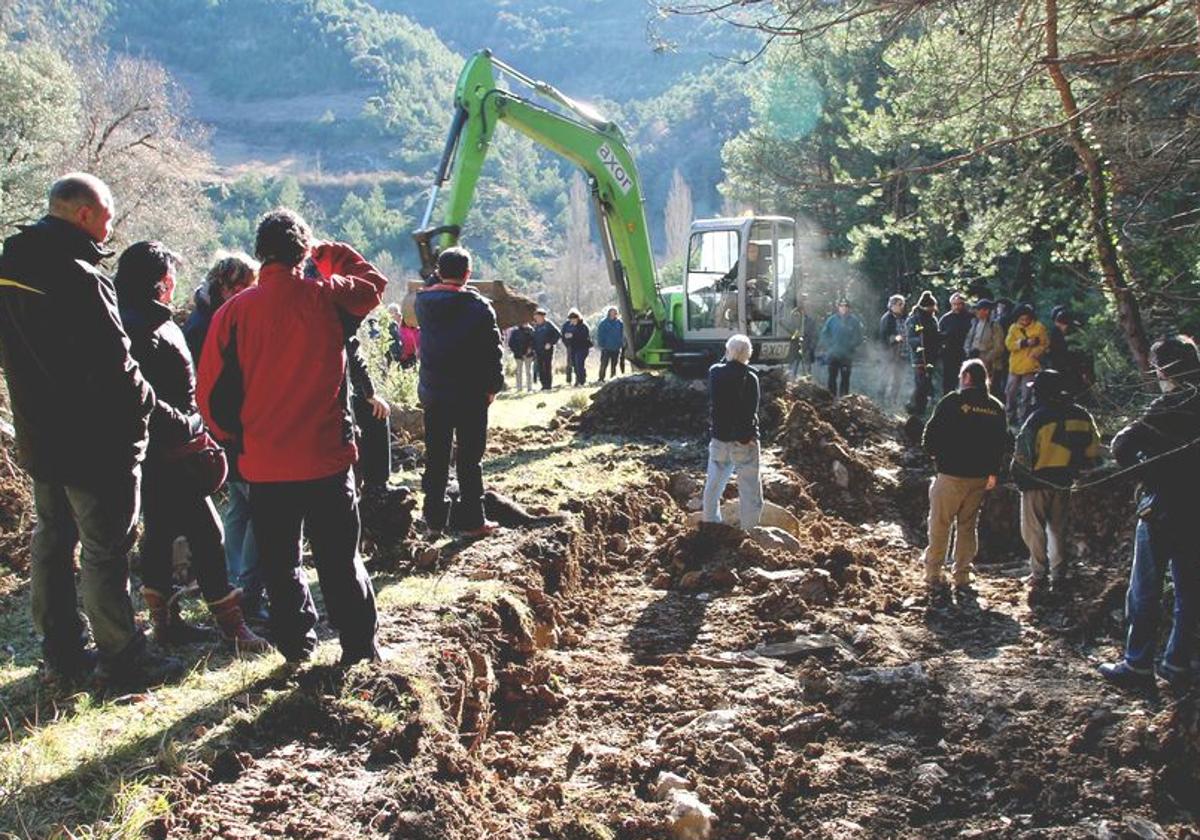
(724, 457)
(578, 360)
(241, 551)
(1160, 544)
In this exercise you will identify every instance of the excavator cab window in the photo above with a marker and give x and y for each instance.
(761, 291)
(712, 280)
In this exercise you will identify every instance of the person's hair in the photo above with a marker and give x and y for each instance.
(1177, 359)
(894, 299)
(453, 264)
(230, 271)
(738, 348)
(958, 296)
(74, 190)
(283, 237)
(140, 271)
(976, 372)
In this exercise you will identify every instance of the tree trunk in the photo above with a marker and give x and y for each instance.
(1129, 315)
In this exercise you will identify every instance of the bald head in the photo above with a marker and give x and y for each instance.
(85, 201)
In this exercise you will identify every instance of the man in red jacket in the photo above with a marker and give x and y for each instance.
(273, 383)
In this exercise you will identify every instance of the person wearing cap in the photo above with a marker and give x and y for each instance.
(985, 339)
(610, 338)
(1162, 447)
(895, 351)
(577, 340)
(966, 438)
(1057, 441)
(545, 336)
(1060, 356)
(840, 339)
(1027, 342)
(924, 347)
(953, 328)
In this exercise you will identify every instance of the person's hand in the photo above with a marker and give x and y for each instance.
(548, 346)
(379, 409)
(991, 483)
(491, 398)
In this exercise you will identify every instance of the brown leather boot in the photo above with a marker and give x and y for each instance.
(167, 624)
(227, 612)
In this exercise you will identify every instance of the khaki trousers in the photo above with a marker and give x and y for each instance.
(953, 502)
(1044, 530)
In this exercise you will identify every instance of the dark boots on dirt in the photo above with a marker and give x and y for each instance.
(167, 624)
(227, 612)
(138, 667)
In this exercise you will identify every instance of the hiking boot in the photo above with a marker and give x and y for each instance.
(937, 595)
(139, 667)
(485, 530)
(1123, 675)
(70, 673)
(1179, 680)
(167, 623)
(1038, 593)
(227, 612)
(965, 595)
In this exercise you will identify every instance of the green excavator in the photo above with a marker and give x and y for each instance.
(741, 275)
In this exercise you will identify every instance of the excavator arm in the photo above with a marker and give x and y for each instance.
(581, 136)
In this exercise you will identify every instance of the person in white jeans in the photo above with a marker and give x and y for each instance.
(733, 395)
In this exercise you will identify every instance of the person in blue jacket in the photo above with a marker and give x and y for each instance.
(610, 337)
(578, 341)
(840, 339)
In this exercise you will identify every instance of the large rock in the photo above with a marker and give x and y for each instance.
(511, 309)
(774, 539)
(773, 516)
(690, 818)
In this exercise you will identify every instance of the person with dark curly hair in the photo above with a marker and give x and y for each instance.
(273, 382)
(180, 461)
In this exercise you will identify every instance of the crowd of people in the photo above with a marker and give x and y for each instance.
(264, 391)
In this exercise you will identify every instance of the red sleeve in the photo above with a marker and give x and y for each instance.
(212, 361)
(351, 282)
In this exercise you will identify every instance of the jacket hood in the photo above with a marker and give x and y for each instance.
(52, 233)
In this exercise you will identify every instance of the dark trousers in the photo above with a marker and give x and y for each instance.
(445, 424)
(545, 368)
(608, 357)
(951, 365)
(170, 509)
(839, 369)
(577, 357)
(922, 389)
(101, 519)
(374, 446)
(326, 511)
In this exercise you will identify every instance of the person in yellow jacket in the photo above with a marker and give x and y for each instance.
(1027, 342)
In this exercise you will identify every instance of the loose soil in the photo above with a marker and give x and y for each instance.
(541, 682)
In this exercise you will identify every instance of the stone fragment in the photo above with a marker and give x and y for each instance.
(666, 783)
(774, 539)
(690, 818)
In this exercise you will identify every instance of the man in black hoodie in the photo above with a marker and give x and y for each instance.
(62, 347)
(924, 346)
(966, 436)
(461, 373)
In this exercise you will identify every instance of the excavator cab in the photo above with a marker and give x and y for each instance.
(741, 276)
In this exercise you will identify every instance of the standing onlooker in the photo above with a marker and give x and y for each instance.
(545, 336)
(273, 379)
(610, 338)
(1166, 441)
(966, 437)
(895, 350)
(841, 337)
(461, 373)
(183, 464)
(404, 345)
(372, 429)
(802, 350)
(520, 342)
(733, 394)
(1003, 317)
(1027, 341)
(228, 275)
(952, 330)
(1056, 442)
(924, 345)
(1076, 372)
(985, 340)
(62, 347)
(577, 341)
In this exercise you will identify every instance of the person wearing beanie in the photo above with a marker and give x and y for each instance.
(924, 347)
(1027, 342)
(966, 438)
(1163, 449)
(1057, 441)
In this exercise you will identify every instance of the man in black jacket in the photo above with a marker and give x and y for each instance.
(461, 373)
(966, 436)
(924, 346)
(520, 342)
(62, 347)
(733, 393)
(545, 336)
(895, 351)
(952, 333)
(1165, 441)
